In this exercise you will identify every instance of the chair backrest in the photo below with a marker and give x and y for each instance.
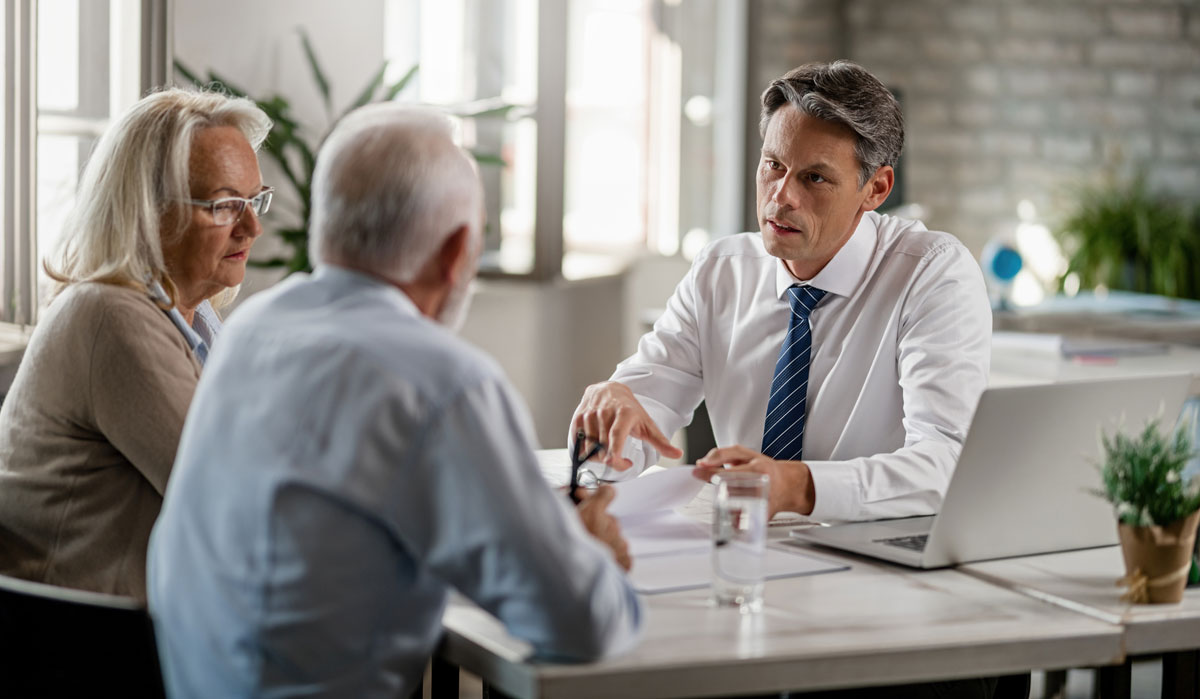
(60, 642)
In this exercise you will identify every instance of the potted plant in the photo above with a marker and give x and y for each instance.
(1121, 235)
(1157, 510)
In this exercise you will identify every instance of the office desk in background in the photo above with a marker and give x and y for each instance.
(1113, 314)
(1012, 366)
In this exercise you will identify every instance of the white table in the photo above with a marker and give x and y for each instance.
(875, 624)
(1084, 581)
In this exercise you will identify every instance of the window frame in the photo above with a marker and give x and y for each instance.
(550, 116)
(18, 254)
(17, 271)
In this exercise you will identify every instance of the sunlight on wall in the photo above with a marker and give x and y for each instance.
(1043, 257)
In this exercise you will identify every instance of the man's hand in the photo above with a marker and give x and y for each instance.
(610, 413)
(593, 510)
(792, 488)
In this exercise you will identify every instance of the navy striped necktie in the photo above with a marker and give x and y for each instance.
(783, 432)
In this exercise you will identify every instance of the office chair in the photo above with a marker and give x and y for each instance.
(57, 642)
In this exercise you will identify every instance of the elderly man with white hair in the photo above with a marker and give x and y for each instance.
(348, 461)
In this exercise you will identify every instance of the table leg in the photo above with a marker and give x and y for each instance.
(1055, 684)
(443, 679)
(1181, 675)
(1114, 682)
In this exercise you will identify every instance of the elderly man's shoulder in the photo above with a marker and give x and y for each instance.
(374, 329)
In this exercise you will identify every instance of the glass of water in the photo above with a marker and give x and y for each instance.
(739, 538)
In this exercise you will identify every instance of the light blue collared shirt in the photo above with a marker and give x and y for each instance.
(206, 324)
(346, 463)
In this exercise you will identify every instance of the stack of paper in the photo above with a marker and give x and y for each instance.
(673, 552)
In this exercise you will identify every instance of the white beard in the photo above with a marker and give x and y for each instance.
(454, 310)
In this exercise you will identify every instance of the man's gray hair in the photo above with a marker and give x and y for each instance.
(139, 173)
(845, 93)
(390, 187)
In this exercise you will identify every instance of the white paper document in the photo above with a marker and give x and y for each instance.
(656, 489)
(689, 570)
(663, 532)
(672, 551)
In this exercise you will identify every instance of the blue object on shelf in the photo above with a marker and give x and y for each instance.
(1001, 262)
(1005, 263)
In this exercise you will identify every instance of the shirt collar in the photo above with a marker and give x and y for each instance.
(846, 270)
(206, 322)
(351, 279)
(194, 341)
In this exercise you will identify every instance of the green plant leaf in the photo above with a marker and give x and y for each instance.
(279, 155)
(1124, 236)
(1142, 476)
(228, 86)
(398, 86)
(187, 73)
(481, 109)
(293, 235)
(368, 92)
(489, 158)
(309, 160)
(267, 264)
(318, 75)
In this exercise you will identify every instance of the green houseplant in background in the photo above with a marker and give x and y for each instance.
(1123, 236)
(1157, 510)
(293, 147)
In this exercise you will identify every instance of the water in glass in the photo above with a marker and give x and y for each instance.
(739, 541)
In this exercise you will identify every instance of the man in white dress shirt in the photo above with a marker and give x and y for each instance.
(347, 461)
(900, 338)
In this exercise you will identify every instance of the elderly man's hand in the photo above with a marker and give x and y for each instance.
(792, 487)
(610, 413)
(593, 510)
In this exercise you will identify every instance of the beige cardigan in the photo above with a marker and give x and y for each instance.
(88, 434)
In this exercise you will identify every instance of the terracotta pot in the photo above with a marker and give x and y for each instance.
(1162, 554)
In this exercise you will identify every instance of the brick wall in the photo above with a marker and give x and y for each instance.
(1010, 100)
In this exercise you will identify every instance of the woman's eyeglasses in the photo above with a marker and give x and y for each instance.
(229, 210)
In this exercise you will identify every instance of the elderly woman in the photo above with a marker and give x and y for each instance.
(166, 213)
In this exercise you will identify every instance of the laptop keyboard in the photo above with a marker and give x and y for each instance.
(914, 543)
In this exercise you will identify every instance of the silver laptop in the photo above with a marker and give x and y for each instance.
(1024, 479)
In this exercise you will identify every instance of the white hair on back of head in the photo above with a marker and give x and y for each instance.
(137, 173)
(390, 186)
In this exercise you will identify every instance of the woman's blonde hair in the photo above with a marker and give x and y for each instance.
(137, 174)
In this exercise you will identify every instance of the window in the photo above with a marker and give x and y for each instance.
(614, 146)
(69, 74)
